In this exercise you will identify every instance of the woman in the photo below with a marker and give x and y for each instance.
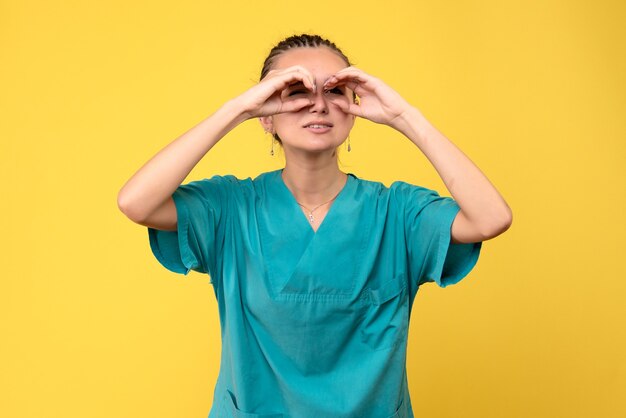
(314, 270)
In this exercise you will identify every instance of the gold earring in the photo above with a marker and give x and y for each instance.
(272, 139)
(349, 148)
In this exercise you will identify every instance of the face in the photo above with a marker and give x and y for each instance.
(292, 127)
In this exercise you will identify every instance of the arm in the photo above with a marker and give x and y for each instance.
(484, 214)
(146, 198)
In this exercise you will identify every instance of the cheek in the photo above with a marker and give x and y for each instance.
(346, 124)
(284, 121)
(283, 118)
(343, 116)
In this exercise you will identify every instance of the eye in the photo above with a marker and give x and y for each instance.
(335, 90)
(294, 92)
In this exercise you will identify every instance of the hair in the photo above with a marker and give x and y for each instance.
(299, 41)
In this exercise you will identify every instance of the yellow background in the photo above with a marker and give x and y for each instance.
(533, 91)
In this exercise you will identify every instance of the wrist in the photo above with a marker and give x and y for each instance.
(235, 111)
(410, 122)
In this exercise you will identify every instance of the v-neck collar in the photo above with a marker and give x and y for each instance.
(298, 259)
(302, 220)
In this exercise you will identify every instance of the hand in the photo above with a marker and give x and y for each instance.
(264, 99)
(378, 102)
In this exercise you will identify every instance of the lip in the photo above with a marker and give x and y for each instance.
(318, 122)
(318, 130)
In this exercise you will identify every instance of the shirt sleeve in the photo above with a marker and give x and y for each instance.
(428, 220)
(201, 208)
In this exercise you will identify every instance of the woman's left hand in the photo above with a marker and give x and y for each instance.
(378, 102)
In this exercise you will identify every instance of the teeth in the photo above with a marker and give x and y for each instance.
(317, 126)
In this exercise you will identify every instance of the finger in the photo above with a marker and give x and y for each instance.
(354, 85)
(300, 73)
(351, 87)
(310, 79)
(341, 104)
(346, 106)
(294, 105)
(353, 70)
(347, 74)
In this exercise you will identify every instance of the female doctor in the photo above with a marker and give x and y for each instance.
(315, 270)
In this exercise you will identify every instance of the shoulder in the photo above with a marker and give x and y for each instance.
(217, 189)
(225, 181)
(403, 193)
(230, 183)
(398, 190)
(403, 198)
(369, 188)
(402, 187)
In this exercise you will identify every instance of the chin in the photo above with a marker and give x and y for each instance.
(321, 147)
(318, 145)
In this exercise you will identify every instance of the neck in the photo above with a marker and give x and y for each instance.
(313, 183)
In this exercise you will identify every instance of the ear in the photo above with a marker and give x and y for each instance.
(267, 123)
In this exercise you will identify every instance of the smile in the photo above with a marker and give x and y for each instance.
(318, 129)
(318, 124)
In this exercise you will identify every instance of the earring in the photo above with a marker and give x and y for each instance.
(272, 138)
(349, 148)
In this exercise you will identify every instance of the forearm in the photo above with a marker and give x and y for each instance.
(158, 178)
(478, 199)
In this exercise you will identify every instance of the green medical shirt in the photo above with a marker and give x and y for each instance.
(313, 324)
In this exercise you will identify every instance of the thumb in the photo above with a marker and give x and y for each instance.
(347, 107)
(295, 105)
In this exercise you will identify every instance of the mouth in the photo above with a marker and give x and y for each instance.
(318, 125)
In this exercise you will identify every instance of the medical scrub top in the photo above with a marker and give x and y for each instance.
(313, 324)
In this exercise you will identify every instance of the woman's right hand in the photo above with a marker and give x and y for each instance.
(146, 198)
(266, 99)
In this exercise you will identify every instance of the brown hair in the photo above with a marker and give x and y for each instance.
(299, 41)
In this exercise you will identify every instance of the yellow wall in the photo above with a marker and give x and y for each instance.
(533, 91)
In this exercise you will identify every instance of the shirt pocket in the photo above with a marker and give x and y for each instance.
(230, 409)
(386, 314)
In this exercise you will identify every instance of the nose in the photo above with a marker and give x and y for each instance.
(320, 104)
